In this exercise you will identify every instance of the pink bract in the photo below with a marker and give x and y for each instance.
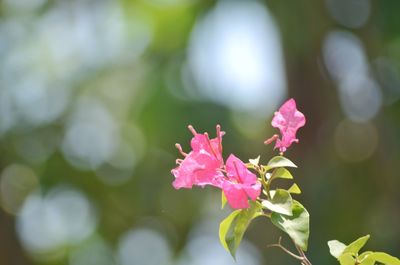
(288, 120)
(240, 184)
(202, 166)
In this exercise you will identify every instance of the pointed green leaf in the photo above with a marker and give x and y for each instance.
(364, 255)
(294, 189)
(223, 200)
(355, 246)
(348, 255)
(347, 259)
(232, 228)
(364, 260)
(367, 262)
(281, 202)
(281, 173)
(279, 161)
(296, 226)
(336, 248)
(225, 228)
(381, 257)
(272, 193)
(255, 161)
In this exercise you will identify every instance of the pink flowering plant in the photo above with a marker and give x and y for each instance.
(247, 188)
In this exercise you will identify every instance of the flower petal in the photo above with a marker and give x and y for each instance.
(184, 177)
(288, 120)
(197, 169)
(237, 170)
(201, 143)
(235, 195)
(253, 191)
(241, 183)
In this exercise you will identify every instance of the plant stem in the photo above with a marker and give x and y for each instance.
(302, 256)
(279, 245)
(305, 261)
(263, 182)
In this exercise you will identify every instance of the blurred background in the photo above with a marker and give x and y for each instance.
(95, 93)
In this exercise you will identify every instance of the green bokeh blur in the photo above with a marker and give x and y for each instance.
(95, 93)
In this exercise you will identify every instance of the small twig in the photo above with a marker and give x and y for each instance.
(302, 257)
(306, 261)
(279, 245)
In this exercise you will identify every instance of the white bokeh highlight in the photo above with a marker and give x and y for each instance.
(92, 135)
(143, 246)
(345, 59)
(206, 249)
(236, 59)
(63, 217)
(44, 60)
(349, 13)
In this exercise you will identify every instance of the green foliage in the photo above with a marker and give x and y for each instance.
(281, 173)
(336, 248)
(381, 257)
(347, 259)
(291, 217)
(356, 245)
(281, 202)
(294, 189)
(364, 255)
(348, 255)
(296, 226)
(287, 214)
(226, 231)
(277, 162)
(232, 228)
(255, 161)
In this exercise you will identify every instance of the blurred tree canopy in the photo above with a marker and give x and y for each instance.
(95, 93)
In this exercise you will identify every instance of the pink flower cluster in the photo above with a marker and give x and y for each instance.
(288, 120)
(204, 165)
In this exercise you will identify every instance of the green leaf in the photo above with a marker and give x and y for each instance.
(232, 228)
(336, 248)
(225, 228)
(294, 189)
(255, 161)
(345, 254)
(367, 262)
(382, 258)
(355, 247)
(365, 254)
(272, 193)
(281, 202)
(347, 259)
(281, 173)
(364, 260)
(279, 161)
(223, 200)
(296, 226)
(348, 255)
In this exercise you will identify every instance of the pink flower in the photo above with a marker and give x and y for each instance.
(202, 166)
(240, 184)
(288, 120)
